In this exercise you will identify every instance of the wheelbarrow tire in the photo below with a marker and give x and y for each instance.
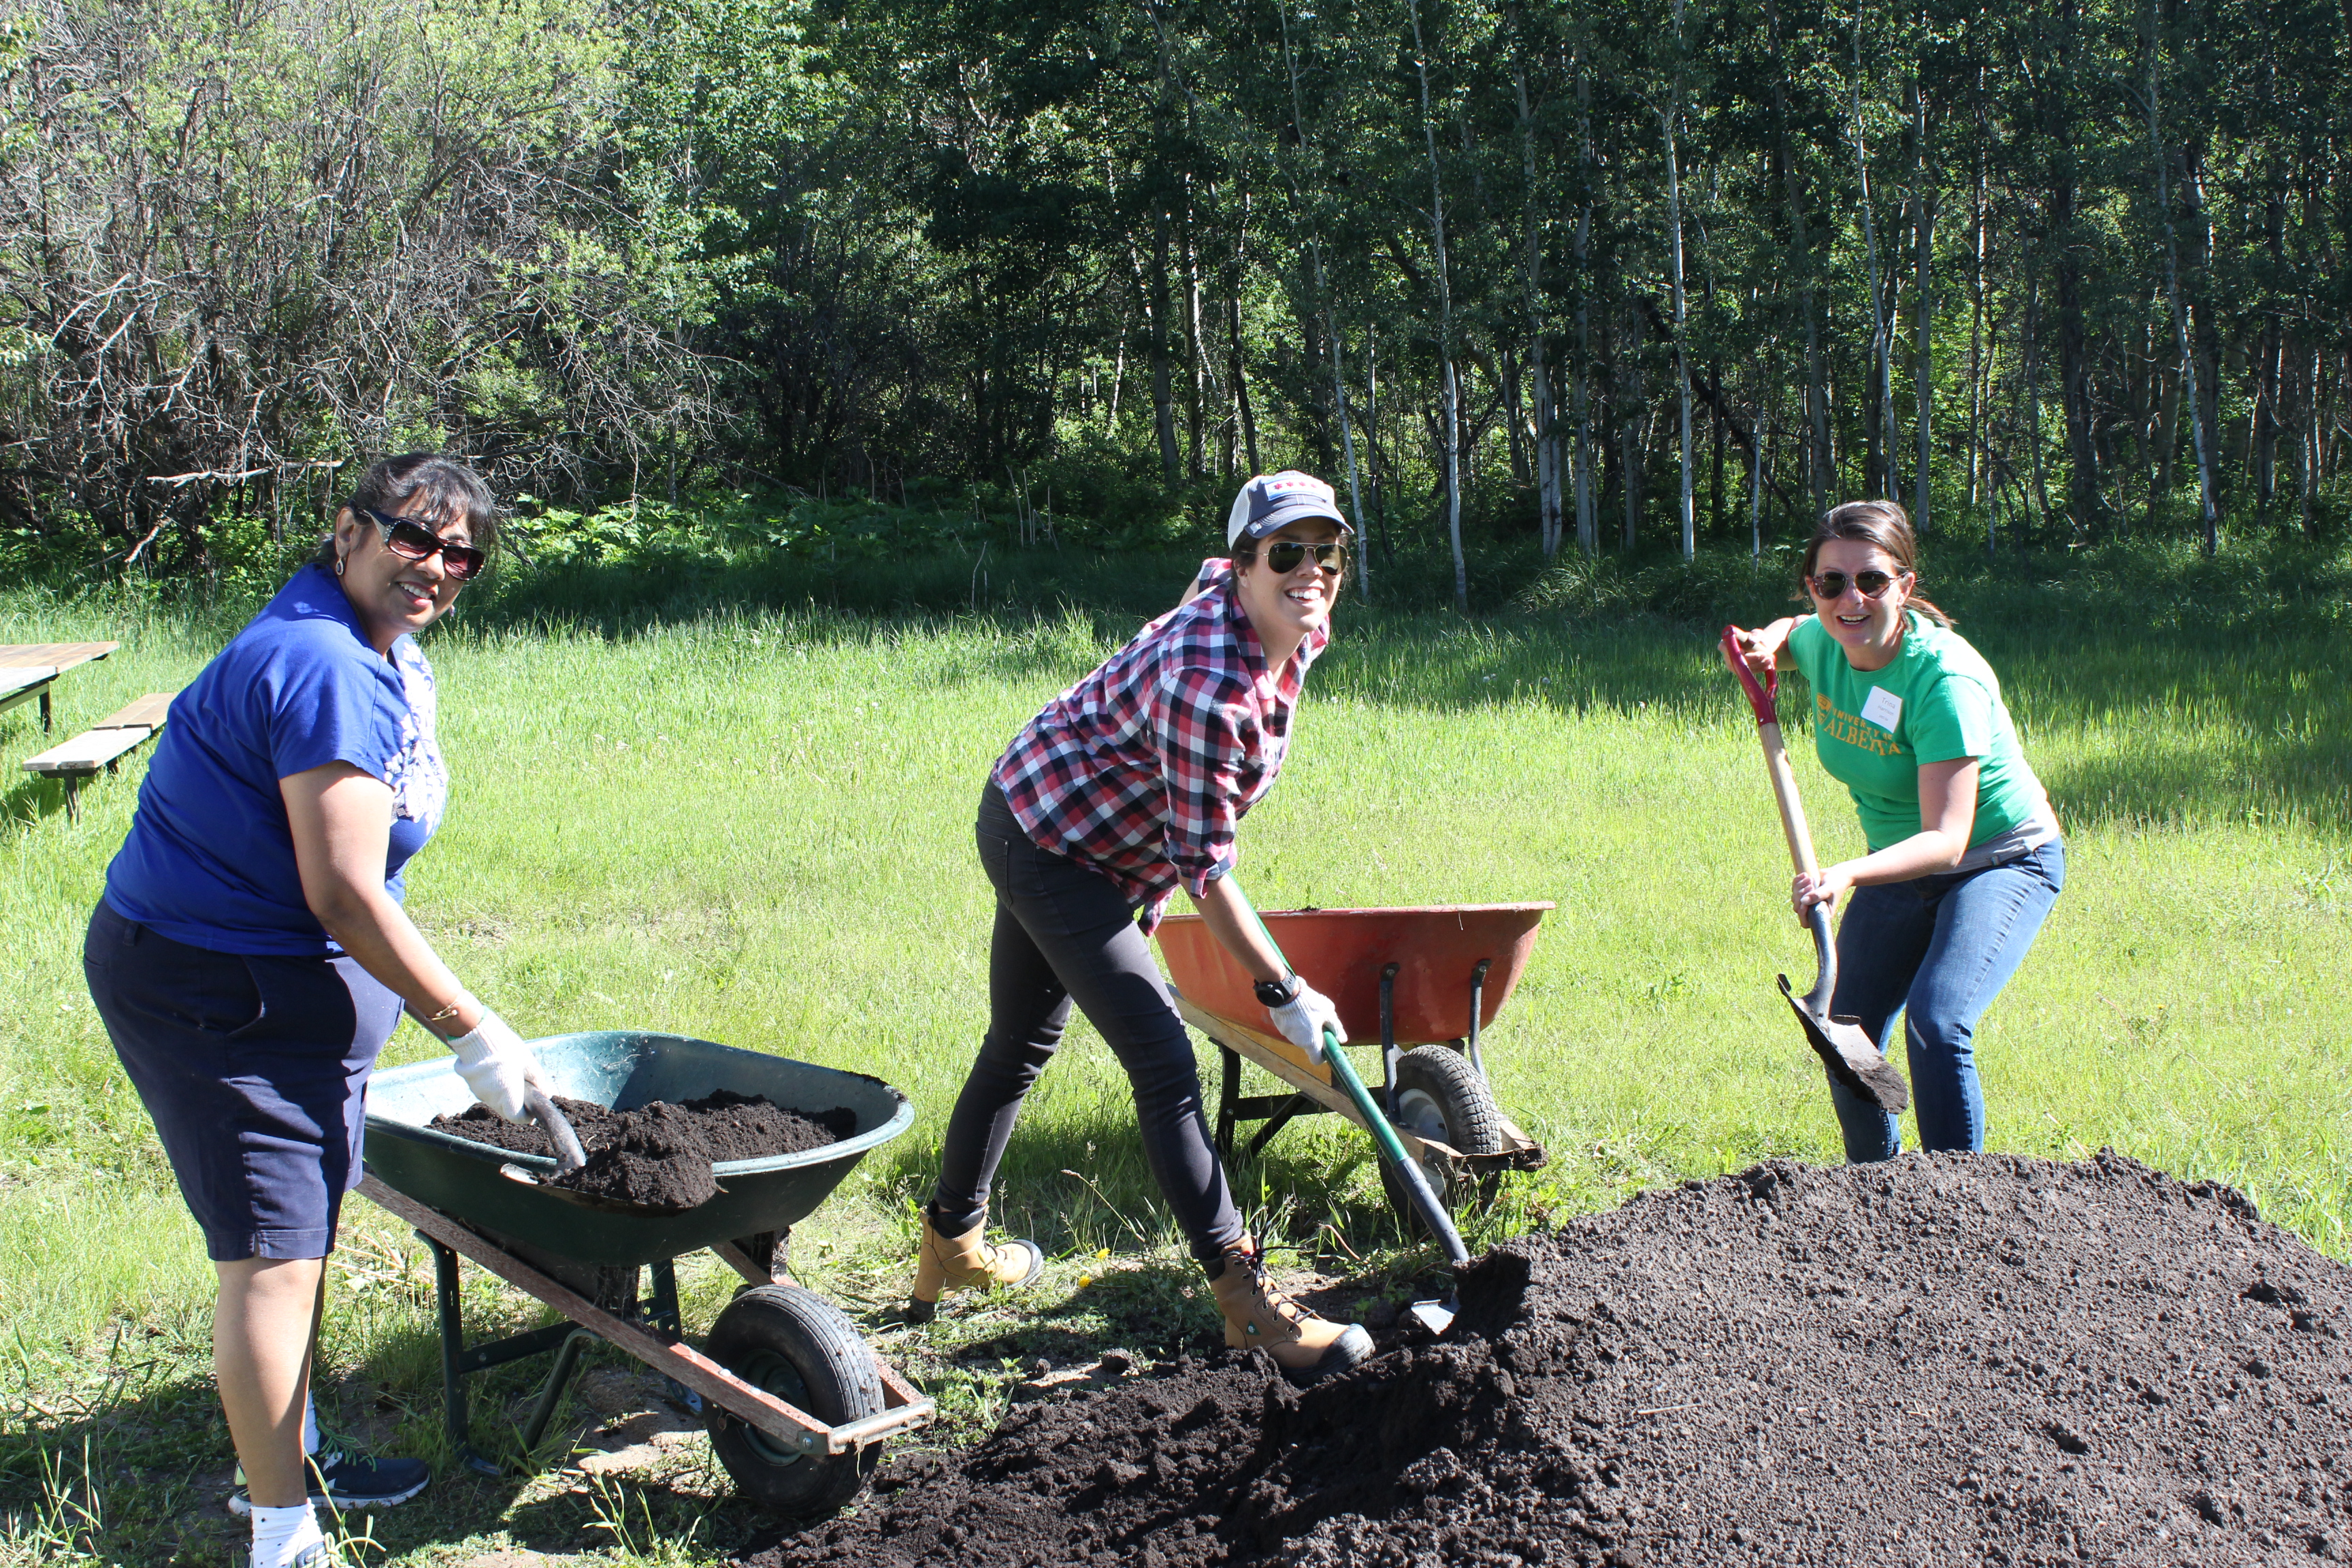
(1441, 1096)
(802, 1348)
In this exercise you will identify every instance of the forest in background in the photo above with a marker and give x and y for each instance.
(1532, 276)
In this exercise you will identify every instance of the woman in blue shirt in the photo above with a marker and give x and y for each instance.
(250, 956)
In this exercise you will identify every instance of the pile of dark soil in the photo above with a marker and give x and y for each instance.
(1943, 1359)
(659, 1155)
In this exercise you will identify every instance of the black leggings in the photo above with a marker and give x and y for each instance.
(1064, 931)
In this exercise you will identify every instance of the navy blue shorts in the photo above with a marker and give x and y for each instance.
(255, 1069)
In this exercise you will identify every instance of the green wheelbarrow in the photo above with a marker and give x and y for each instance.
(798, 1403)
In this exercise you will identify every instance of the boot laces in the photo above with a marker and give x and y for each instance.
(1276, 1301)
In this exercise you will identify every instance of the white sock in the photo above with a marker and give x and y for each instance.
(282, 1534)
(310, 1425)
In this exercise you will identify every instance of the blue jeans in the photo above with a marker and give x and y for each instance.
(1936, 949)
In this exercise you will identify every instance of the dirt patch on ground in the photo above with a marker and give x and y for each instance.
(1942, 1359)
(660, 1154)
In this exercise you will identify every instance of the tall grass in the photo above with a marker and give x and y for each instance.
(752, 824)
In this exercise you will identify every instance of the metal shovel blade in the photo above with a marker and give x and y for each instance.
(1849, 1054)
(1434, 1317)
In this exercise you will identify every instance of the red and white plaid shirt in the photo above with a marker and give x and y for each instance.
(1143, 769)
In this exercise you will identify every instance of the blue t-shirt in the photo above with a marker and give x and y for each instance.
(210, 858)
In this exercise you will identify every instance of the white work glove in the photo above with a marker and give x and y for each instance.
(1305, 1016)
(495, 1065)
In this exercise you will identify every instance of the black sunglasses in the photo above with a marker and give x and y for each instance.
(414, 542)
(1285, 556)
(1832, 584)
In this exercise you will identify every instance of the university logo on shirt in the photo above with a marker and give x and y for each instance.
(1841, 725)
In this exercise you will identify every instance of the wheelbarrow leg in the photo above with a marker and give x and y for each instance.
(1296, 1105)
(542, 1410)
(1228, 1100)
(1388, 1052)
(663, 1319)
(1477, 1000)
(453, 1350)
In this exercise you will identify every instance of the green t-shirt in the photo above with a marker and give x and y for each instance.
(1939, 700)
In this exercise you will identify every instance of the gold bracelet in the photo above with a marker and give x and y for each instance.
(448, 1012)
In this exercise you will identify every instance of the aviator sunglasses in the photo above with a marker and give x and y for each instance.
(415, 542)
(1283, 557)
(1831, 585)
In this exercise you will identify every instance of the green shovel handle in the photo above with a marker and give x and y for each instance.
(1384, 1135)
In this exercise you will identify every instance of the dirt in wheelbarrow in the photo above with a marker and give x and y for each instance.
(1944, 1360)
(660, 1154)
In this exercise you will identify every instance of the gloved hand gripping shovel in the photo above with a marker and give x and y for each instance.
(1851, 1057)
(1436, 1316)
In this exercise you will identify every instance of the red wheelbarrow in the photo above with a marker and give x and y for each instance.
(1424, 982)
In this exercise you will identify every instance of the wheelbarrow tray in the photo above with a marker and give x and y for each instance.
(623, 1069)
(1342, 952)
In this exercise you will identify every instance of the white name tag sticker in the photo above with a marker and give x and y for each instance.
(1883, 708)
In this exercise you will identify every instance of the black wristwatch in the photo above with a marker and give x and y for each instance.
(1277, 993)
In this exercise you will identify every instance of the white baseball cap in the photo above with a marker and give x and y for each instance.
(1272, 501)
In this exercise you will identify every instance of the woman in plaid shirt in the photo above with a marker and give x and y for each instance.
(1127, 787)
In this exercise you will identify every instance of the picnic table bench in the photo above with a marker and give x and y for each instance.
(104, 745)
(28, 669)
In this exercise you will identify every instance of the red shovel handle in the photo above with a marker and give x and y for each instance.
(1761, 698)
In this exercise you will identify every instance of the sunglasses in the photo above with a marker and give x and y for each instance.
(415, 542)
(1285, 556)
(1832, 584)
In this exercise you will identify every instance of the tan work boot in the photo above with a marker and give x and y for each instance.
(964, 1262)
(1257, 1316)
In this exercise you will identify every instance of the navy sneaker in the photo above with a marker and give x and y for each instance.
(344, 1483)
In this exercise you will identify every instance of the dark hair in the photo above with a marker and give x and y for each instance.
(449, 489)
(1883, 524)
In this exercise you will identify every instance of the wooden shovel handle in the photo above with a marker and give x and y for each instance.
(1760, 698)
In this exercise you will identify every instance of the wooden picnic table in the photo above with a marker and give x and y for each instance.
(28, 670)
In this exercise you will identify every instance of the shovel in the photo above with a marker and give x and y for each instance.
(570, 1157)
(1849, 1053)
(1434, 1316)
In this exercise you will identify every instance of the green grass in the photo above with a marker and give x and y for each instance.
(752, 824)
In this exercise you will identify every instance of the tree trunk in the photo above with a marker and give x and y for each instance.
(1975, 341)
(1878, 425)
(1715, 488)
(1196, 406)
(2172, 280)
(1451, 395)
(1923, 209)
(2033, 387)
(1240, 381)
(1633, 406)
(1531, 269)
(1162, 405)
(1347, 433)
(2310, 444)
(1588, 503)
(1756, 476)
(1818, 469)
(1682, 357)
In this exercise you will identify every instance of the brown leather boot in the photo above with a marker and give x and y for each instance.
(1257, 1316)
(966, 1261)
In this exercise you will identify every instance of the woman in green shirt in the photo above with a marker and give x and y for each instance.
(1964, 856)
